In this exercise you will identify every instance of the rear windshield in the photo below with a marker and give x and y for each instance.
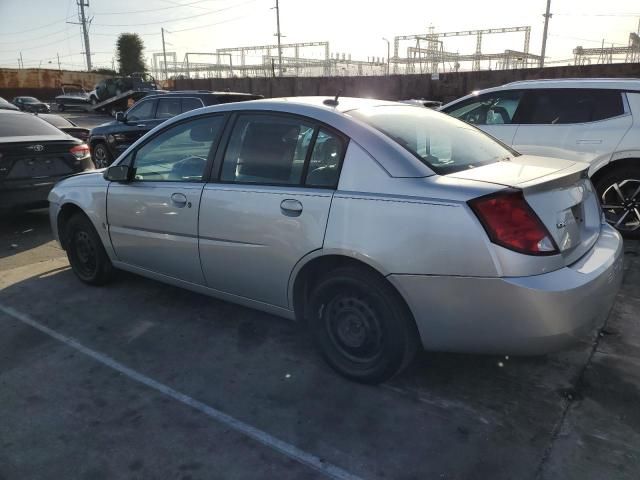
(25, 125)
(56, 121)
(30, 100)
(445, 144)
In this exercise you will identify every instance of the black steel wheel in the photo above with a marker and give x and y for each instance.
(361, 326)
(85, 251)
(619, 193)
(101, 156)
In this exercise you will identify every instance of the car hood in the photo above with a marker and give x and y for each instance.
(519, 171)
(104, 127)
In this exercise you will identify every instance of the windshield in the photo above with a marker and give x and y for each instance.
(446, 145)
(57, 121)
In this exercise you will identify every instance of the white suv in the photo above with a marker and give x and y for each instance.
(592, 120)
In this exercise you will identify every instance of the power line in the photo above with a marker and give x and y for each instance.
(37, 28)
(146, 10)
(175, 19)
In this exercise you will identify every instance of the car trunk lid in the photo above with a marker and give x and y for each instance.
(37, 157)
(559, 192)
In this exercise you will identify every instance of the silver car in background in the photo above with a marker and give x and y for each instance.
(384, 226)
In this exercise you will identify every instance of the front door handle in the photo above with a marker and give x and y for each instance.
(180, 200)
(291, 207)
(141, 125)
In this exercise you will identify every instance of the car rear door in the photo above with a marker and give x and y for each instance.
(153, 220)
(577, 124)
(271, 203)
(493, 112)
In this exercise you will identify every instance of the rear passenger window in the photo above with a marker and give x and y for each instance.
(267, 149)
(564, 106)
(324, 165)
(168, 107)
(189, 104)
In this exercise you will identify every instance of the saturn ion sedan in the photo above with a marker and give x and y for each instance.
(383, 226)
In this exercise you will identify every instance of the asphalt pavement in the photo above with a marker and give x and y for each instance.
(143, 380)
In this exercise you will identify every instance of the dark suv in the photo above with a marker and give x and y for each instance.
(108, 141)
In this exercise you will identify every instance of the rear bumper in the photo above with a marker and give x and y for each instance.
(27, 194)
(517, 315)
(33, 192)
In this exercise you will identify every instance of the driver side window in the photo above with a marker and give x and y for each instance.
(180, 153)
(496, 108)
(141, 111)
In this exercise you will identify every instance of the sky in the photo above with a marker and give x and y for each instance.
(355, 27)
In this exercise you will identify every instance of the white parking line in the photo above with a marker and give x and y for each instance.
(264, 438)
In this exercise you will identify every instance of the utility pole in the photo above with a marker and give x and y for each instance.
(58, 55)
(85, 32)
(21, 62)
(546, 16)
(278, 34)
(164, 54)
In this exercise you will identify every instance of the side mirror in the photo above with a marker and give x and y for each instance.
(118, 173)
(120, 117)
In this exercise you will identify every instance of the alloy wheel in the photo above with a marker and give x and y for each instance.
(621, 204)
(100, 158)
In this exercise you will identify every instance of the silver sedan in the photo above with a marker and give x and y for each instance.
(385, 227)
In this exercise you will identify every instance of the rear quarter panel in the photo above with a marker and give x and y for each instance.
(406, 225)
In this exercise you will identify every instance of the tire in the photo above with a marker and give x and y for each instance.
(61, 107)
(361, 326)
(619, 189)
(94, 101)
(101, 156)
(86, 254)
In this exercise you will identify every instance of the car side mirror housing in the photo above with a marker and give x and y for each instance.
(120, 117)
(118, 173)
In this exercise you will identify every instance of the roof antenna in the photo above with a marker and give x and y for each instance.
(333, 102)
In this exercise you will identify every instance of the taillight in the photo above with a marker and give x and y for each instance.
(80, 151)
(510, 222)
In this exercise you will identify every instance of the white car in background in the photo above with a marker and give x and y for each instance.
(591, 120)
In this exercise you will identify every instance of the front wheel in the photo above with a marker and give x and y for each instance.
(361, 326)
(101, 156)
(619, 192)
(86, 254)
(61, 107)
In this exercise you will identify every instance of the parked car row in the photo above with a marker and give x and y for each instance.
(382, 225)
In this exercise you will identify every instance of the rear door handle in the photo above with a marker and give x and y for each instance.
(291, 207)
(180, 200)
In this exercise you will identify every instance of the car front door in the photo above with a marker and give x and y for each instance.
(577, 124)
(493, 112)
(139, 119)
(153, 220)
(270, 205)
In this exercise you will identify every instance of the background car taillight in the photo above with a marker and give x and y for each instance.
(511, 223)
(80, 151)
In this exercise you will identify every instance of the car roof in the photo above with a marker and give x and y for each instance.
(199, 93)
(604, 83)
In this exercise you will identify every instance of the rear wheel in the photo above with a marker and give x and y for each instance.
(88, 259)
(619, 192)
(101, 156)
(361, 326)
